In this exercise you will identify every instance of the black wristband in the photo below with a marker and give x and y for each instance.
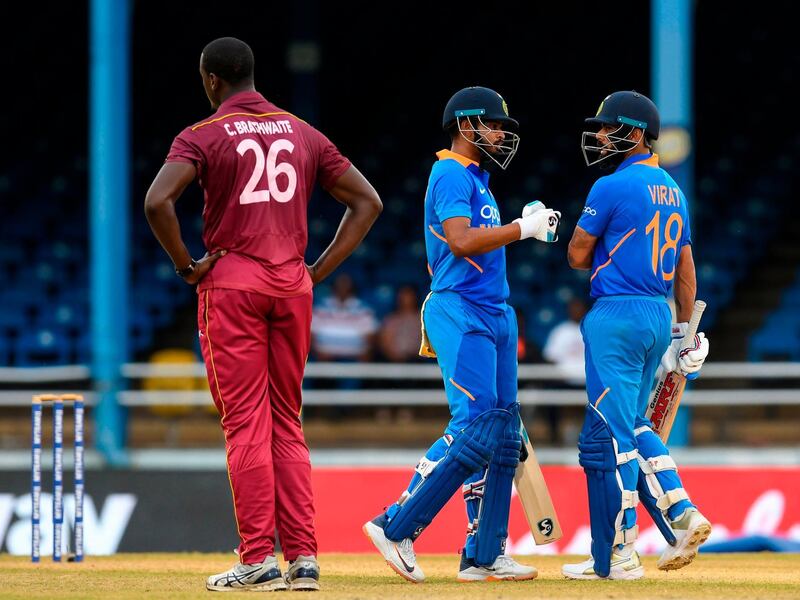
(186, 271)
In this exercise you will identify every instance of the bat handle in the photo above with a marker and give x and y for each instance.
(694, 323)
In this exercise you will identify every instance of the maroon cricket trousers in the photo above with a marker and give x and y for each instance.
(255, 349)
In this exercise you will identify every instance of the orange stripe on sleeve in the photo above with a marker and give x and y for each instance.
(437, 234)
(444, 239)
(473, 263)
(610, 254)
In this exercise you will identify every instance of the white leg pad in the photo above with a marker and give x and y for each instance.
(656, 464)
(626, 536)
(671, 498)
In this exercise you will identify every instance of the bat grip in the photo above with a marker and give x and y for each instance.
(694, 323)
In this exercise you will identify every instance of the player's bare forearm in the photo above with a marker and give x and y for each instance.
(363, 207)
(159, 208)
(685, 286)
(581, 249)
(474, 241)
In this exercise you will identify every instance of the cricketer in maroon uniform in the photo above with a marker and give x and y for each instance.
(257, 165)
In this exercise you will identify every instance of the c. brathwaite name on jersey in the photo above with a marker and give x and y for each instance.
(265, 127)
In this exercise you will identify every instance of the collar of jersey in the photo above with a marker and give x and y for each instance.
(242, 99)
(649, 160)
(459, 158)
(469, 164)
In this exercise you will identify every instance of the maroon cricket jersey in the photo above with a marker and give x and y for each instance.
(257, 165)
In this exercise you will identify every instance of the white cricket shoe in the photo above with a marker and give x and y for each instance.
(504, 568)
(399, 555)
(691, 529)
(622, 567)
(303, 574)
(260, 577)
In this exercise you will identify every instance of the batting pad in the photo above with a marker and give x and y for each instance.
(492, 531)
(659, 485)
(469, 453)
(611, 506)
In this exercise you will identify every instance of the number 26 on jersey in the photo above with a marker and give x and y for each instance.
(270, 164)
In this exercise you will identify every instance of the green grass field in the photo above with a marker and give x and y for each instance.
(363, 577)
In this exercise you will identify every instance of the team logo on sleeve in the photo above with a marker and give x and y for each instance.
(588, 210)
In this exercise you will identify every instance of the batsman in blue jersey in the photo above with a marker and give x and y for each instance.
(635, 236)
(472, 332)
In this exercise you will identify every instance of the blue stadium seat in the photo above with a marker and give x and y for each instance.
(71, 318)
(154, 303)
(14, 320)
(26, 297)
(774, 343)
(791, 298)
(5, 351)
(42, 347)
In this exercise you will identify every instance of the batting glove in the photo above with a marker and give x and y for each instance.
(688, 361)
(539, 222)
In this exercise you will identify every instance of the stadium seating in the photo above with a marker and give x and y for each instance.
(779, 338)
(45, 309)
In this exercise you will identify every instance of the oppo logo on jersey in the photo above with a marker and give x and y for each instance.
(588, 210)
(490, 212)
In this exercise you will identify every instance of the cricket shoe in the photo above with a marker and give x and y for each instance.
(399, 555)
(303, 574)
(622, 567)
(259, 577)
(504, 568)
(691, 529)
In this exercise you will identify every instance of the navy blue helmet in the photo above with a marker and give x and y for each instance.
(477, 101)
(630, 108)
(479, 105)
(623, 112)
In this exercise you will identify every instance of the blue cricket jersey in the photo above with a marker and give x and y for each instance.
(641, 218)
(458, 187)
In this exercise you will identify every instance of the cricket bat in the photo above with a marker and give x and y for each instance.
(535, 497)
(667, 392)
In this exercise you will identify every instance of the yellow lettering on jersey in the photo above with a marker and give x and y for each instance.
(653, 193)
(662, 194)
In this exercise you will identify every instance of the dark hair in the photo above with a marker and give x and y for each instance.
(230, 59)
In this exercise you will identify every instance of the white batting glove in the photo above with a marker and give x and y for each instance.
(538, 222)
(691, 358)
(689, 361)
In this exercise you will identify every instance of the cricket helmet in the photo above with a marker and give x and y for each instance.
(477, 106)
(624, 111)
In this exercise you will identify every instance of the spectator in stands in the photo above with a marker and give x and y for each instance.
(400, 333)
(343, 327)
(564, 346)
